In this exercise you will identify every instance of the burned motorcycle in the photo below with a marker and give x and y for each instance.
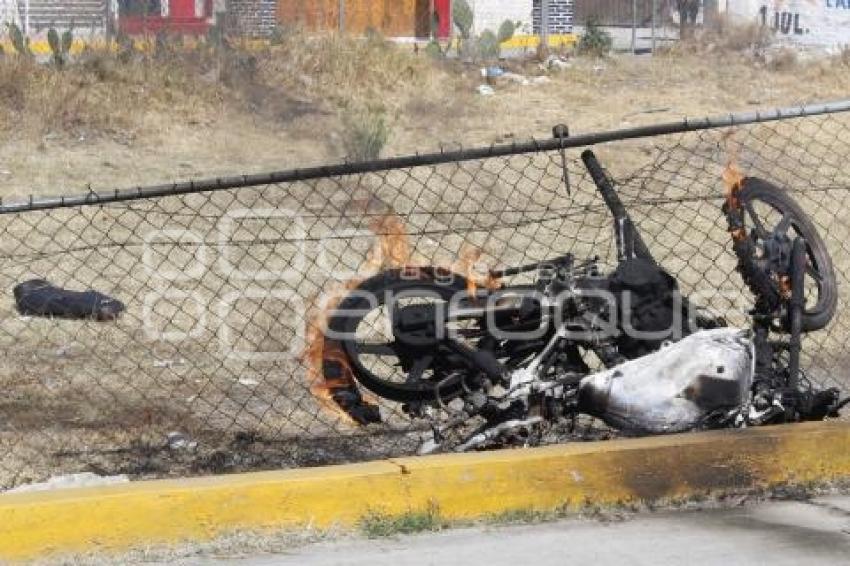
(505, 365)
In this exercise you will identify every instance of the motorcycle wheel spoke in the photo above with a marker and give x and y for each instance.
(419, 367)
(758, 226)
(376, 349)
(784, 224)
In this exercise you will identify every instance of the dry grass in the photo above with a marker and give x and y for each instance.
(842, 58)
(727, 36)
(340, 69)
(118, 119)
(105, 92)
(783, 59)
(113, 121)
(98, 95)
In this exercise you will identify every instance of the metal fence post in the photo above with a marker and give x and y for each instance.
(654, 23)
(107, 24)
(634, 27)
(341, 16)
(544, 25)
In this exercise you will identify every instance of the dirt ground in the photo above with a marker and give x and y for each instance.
(88, 397)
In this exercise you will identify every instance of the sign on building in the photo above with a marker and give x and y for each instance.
(807, 22)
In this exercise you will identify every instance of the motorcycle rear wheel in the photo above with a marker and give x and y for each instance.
(428, 371)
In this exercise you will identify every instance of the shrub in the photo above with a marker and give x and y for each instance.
(365, 132)
(595, 41)
(434, 49)
(488, 45)
(783, 59)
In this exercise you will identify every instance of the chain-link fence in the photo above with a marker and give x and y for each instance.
(214, 367)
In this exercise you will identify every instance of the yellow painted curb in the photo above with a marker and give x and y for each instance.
(462, 486)
(42, 47)
(521, 41)
(532, 41)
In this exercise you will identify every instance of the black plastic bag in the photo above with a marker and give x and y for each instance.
(38, 297)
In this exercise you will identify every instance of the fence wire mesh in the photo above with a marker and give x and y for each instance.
(206, 370)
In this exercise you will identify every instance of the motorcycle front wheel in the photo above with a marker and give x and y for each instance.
(770, 210)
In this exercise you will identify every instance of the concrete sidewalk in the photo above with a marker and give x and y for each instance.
(775, 533)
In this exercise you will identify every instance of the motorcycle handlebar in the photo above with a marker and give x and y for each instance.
(629, 241)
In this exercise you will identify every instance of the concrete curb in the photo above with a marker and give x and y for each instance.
(462, 486)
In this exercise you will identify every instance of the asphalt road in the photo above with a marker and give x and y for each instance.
(774, 533)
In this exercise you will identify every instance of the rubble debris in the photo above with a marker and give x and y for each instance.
(555, 63)
(490, 74)
(84, 479)
(180, 441)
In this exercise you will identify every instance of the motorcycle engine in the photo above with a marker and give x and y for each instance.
(676, 388)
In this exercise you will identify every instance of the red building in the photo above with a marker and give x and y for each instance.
(189, 17)
(443, 12)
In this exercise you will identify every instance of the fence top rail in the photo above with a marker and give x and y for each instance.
(424, 159)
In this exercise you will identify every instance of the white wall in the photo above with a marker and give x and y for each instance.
(806, 22)
(489, 14)
(9, 14)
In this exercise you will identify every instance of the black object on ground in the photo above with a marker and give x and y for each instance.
(38, 297)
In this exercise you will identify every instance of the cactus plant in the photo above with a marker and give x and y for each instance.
(20, 42)
(487, 45)
(490, 44)
(507, 30)
(60, 46)
(68, 39)
(55, 47)
(463, 18)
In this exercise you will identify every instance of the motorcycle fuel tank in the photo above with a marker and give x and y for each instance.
(675, 388)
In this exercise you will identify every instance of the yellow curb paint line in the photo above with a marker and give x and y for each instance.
(42, 47)
(516, 42)
(532, 41)
(460, 486)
